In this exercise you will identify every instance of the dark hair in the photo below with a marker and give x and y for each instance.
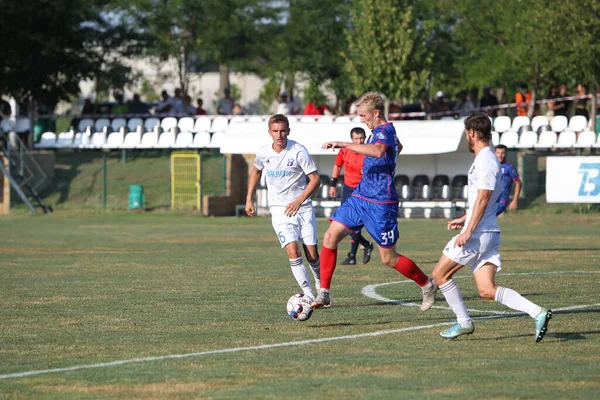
(501, 146)
(358, 130)
(279, 118)
(480, 123)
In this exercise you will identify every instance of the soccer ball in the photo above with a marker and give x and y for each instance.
(298, 307)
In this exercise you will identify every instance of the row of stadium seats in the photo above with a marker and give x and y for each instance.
(558, 123)
(546, 139)
(419, 188)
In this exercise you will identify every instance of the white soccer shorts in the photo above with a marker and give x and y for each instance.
(480, 249)
(302, 226)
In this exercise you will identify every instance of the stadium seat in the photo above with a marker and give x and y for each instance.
(527, 140)
(132, 140)
(577, 123)
(201, 140)
(322, 193)
(566, 140)
(518, 122)
(255, 119)
(495, 138)
(64, 140)
(151, 123)
(447, 118)
(97, 140)
(219, 124)
(339, 186)
(133, 123)
(307, 119)
(238, 119)
(539, 120)
(342, 120)
(118, 123)
(202, 124)
(325, 119)
(586, 139)
(78, 140)
(510, 139)
(420, 187)
(543, 128)
(292, 118)
(597, 144)
(47, 141)
(114, 140)
(216, 139)
(547, 140)
(184, 140)
(402, 185)
(459, 187)
(149, 140)
(502, 124)
(186, 124)
(558, 123)
(166, 140)
(22, 125)
(102, 124)
(356, 120)
(84, 124)
(440, 187)
(167, 124)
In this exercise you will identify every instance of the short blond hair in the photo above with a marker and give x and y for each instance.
(371, 100)
(279, 118)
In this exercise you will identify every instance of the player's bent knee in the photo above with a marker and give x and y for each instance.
(488, 292)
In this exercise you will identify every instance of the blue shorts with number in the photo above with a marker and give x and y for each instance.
(380, 220)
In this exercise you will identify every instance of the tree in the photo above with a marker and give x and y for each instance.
(387, 48)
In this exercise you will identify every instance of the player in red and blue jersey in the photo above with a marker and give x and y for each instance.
(373, 204)
(509, 175)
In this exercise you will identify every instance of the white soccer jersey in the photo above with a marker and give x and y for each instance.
(285, 173)
(485, 173)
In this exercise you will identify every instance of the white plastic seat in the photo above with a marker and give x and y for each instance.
(167, 124)
(216, 139)
(202, 124)
(447, 118)
(577, 123)
(84, 124)
(166, 140)
(238, 119)
(64, 140)
(495, 138)
(151, 123)
(527, 140)
(510, 139)
(539, 120)
(77, 140)
(342, 120)
(558, 123)
(597, 144)
(97, 140)
(566, 140)
(22, 125)
(502, 124)
(585, 139)
(546, 140)
(255, 119)
(101, 124)
(149, 140)
(114, 140)
(47, 141)
(307, 119)
(117, 124)
(184, 140)
(325, 119)
(219, 124)
(131, 140)
(185, 124)
(518, 122)
(133, 124)
(201, 140)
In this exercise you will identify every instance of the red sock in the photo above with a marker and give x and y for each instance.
(409, 269)
(328, 259)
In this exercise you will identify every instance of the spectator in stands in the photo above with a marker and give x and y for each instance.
(426, 106)
(489, 100)
(522, 98)
(352, 162)
(464, 106)
(137, 106)
(581, 105)
(561, 107)
(165, 104)
(439, 105)
(120, 107)
(350, 106)
(200, 110)
(552, 93)
(185, 108)
(285, 107)
(7, 125)
(238, 109)
(226, 103)
(509, 175)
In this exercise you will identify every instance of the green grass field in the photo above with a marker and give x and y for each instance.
(87, 290)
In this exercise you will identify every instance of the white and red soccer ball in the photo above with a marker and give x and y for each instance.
(298, 307)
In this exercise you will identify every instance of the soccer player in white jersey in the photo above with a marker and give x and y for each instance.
(287, 165)
(477, 244)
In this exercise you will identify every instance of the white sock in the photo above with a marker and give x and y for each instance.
(455, 300)
(514, 300)
(301, 275)
(316, 271)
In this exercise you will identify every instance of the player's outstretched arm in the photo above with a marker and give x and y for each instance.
(376, 150)
(253, 179)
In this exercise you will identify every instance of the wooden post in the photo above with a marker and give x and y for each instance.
(4, 189)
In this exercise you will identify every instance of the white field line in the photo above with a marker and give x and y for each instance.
(272, 346)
